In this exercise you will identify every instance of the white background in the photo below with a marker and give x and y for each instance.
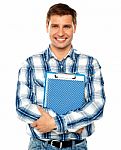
(23, 33)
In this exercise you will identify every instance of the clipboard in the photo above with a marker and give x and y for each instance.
(64, 92)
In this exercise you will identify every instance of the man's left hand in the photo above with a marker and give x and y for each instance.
(45, 123)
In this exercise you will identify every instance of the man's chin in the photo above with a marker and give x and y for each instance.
(61, 46)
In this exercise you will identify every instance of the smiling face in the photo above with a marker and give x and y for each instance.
(61, 29)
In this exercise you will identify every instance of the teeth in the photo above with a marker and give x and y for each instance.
(60, 39)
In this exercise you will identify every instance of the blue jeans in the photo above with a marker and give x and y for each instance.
(36, 144)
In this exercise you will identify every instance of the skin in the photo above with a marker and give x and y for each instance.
(60, 30)
(45, 123)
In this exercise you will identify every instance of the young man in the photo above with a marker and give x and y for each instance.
(48, 130)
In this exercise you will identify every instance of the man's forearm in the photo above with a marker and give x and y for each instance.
(28, 113)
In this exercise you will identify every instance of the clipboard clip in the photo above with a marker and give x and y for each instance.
(65, 76)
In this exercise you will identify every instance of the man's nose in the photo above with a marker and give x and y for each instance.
(60, 32)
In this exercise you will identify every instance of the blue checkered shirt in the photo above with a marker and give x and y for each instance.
(30, 94)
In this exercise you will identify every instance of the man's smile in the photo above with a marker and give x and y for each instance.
(60, 39)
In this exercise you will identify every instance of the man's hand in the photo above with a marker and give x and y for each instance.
(45, 123)
(80, 130)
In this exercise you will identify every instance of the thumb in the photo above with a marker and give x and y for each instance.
(41, 110)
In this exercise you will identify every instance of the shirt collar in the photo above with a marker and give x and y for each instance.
(49, 54)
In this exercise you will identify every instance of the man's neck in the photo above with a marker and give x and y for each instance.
(60, 53)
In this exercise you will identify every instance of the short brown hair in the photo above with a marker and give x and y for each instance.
(61, 9)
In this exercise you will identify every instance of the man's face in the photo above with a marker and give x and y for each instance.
(61, 29)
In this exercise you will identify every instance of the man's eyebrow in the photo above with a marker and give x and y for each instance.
(54, 24)
(67, 25)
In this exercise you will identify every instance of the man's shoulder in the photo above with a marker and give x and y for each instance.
(87, 58)
(34, 60)
(82, 55)
(41, 56)
(37, 55)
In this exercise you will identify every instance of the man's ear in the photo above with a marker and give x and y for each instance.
(74, 28)
(47, 25)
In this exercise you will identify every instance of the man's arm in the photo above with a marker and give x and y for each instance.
(45, 123)
(25, 106)
(76, 120)
(95, 96)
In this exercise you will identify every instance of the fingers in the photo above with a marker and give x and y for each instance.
(34, 124)
(38, 127)
(80, 130)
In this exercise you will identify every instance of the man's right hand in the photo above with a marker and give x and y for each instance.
(45, 123)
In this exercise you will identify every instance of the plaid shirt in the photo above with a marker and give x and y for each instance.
(30, 93)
